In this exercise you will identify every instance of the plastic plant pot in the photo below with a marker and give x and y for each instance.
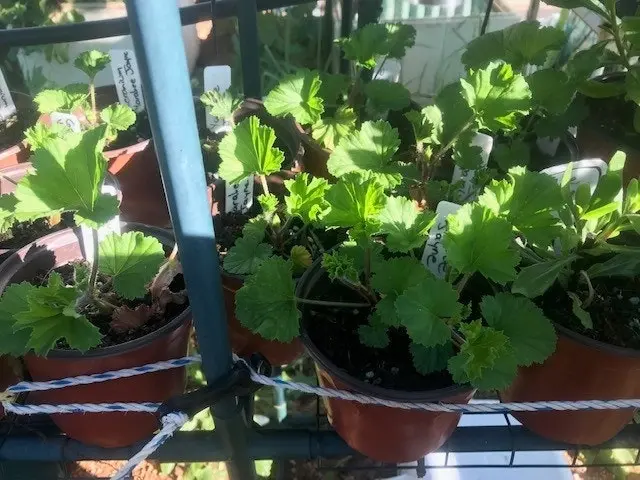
(381, 433)
(579, 369)
(168, 342)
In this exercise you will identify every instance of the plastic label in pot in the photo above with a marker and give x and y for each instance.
(7, 107)
(584, 171)
(127, 79)
(434, 257)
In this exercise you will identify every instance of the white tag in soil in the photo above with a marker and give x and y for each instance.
(66, 120)
(112, 226)
(7, 107)
(127, 79)
(389, 71)
(217, 77)
(584, 171)
(547, 145)
(467, 191)
(434, 257)
(239, 197)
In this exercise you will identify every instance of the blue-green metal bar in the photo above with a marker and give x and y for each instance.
(249, 48)
(157, 38)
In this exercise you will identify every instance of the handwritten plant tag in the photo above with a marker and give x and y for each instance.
(66, 120)
(127, 79)
(7, 107)
(112, 226)
(468, 189)
(217, 77)
(434, 257)
(584, 171)
(239, 197)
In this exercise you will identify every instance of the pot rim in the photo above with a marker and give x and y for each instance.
(13, 149)
(13, 264)
(135, 147)
(596, 344)
(358, 385)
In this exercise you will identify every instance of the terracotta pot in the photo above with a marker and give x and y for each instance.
(243, 341)
(579, 369)
(169, 341)
(315, 157)
(14, 155)
(381, 433)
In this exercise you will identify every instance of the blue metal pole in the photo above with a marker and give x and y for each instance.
(157, 38)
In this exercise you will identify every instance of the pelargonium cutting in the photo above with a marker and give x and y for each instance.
(127, 280)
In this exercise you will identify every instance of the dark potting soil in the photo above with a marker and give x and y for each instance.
(23, 233)
(615, 117)
(335, 332)
(615, 310)
(229, 229)
(11, 132)
(102, 321)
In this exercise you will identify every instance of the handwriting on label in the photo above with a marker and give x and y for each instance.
(127, 79)
(112, 226)
(7, 107)
(468, 189)
(239, 197)
(434, 257)
(217, 77)
(66, 120)
(584, 171)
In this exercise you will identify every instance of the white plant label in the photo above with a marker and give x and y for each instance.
(66, 120)
(239, 197)
(547, 145)
(434, 257)
(467, 191)
(584, 171)
(217, 77)
(127, 79)
(389, 71)
(7, 107)
(112, 226)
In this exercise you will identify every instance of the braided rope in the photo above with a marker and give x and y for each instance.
(170, 424)
(146, 407)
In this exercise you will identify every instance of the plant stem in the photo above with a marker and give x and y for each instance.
(463, 282)
(615, 30)
(438, 156)
(458, 339)
(94, 264)
(367, 267)
(380, 67)
(265, 186)
(589, 299)
(94, 108)
(323, 303)
(316, 240)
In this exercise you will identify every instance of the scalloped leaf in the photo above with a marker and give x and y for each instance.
(406, 227)
(330, 130)
(92, 62)
(298, 95)
(221, 104)
(306, 198)
(365, 44)
(386, 95)
(118, 118)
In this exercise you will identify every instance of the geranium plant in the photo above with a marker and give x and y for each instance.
(121, 288)
(481, 342)
(80, 99)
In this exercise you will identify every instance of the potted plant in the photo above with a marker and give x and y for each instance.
(587, 284)
(377, 321)
(130, 152)
(71, 313)
(328, 106)
(529, 47)
(612, 97)
(282, 226)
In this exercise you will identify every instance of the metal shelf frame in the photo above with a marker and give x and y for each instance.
(155, 29)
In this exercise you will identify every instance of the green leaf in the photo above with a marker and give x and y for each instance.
(340, 266)
(369, 150)
(248, 150)
(620, 265)
(497, 96)
(69, 173)
(400, 36)
(355, 203)
(390, 279)
(248, 251)
(456, 113)
(118, 118)
(72, 97)
(631, 198)
(297, 95)
(386, 95)
(92, 62)
(536, 279)
(479, 241)
(517, 153)
(330, 130)
(530, 333)
(609, 189)
(528, 200)
(486, 358)
(555, 126)
(551, 90)
(14, 300)
(306, 197)
(40, 134)
(334, 86)
(7, 212)
(300, 257)
(466, 155)
(427, 124)
(365, 44)
(406, 227)
(221, 104)
(52, 317)
(525, 43)
(428, 360)
(583, 63)
(632, 85)
(132, 260)
(268, 203)
(580, 313)
(374, 335)
(424, 310)
(598, 89)
(266, 303)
